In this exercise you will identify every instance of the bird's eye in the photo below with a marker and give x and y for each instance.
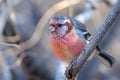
(60, 25)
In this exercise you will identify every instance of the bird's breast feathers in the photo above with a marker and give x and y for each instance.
(68, 46)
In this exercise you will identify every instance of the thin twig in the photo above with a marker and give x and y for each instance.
(77, 64)
(10, 60)
(10, 45)
(16, 37)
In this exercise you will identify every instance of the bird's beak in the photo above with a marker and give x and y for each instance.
(51, 28)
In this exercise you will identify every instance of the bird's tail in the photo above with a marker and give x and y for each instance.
(105, 58)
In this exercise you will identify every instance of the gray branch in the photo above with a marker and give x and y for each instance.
(77, 64)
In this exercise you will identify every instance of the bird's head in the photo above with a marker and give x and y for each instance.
(60, 25)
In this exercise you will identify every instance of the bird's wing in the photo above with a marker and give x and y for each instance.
(81, 28)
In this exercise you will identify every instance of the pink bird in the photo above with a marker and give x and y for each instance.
(68, 37)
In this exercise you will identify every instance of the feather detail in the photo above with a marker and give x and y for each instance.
(68, 46)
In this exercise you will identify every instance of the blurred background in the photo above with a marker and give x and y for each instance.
(25, 51)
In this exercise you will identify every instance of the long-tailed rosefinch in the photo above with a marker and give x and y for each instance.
(68, 37)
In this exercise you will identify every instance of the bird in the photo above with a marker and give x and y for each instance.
(68, 37)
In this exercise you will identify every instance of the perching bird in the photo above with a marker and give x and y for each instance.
(68, 37)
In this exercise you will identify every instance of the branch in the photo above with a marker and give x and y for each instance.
(77, 64)
(10, 45)
(9, 59)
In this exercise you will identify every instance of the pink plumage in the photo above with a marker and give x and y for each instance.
(68, 46)
(65, 41)
(68, 38)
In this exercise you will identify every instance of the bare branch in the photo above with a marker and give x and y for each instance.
(9, 59)
(76, 65)
(12, 45)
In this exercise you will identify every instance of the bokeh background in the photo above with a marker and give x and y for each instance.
(25, 51)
